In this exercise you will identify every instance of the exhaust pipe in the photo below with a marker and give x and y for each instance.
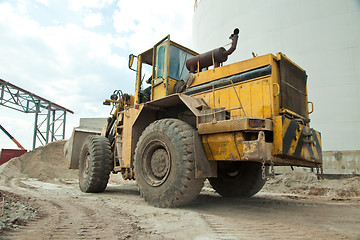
(214, 57)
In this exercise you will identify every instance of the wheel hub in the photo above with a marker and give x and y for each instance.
(159, 163)
(156, 163)
(86, 166)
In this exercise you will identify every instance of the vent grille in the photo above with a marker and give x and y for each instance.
(293, 87)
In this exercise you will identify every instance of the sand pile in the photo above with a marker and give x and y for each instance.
(309, 184)
(44, 163)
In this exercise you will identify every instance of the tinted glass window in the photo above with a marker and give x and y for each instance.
(160, 62)
(177, 68)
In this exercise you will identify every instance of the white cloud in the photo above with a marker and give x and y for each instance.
(22, 6)
(45, 2)
(78, 5)
(75, 66)
(93, 20)
(19, 23)
(64, 64)
(146, 22)
(70, 44)
(117, 61)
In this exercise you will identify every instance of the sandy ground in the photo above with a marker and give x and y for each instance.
(42, 201)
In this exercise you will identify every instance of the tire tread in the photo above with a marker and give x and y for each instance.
(186, 187)
(100, 164)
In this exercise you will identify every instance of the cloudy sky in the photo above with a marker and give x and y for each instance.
(75, 52)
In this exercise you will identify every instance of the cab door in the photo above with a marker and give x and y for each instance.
(161, 69)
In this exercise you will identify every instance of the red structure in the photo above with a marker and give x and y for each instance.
(7, 154)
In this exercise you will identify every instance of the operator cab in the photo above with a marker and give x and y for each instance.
(162, 67)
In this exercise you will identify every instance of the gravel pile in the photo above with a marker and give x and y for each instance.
(14, 211)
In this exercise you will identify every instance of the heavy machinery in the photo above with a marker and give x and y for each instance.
(200, 119)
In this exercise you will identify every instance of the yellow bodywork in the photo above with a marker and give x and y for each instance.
(245, 111)
(256, 96)
(223, 146)
(225, 123)
(162, 88)
(295, 140)
(130, 116)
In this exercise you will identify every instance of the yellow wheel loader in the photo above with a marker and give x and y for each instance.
(200, 119)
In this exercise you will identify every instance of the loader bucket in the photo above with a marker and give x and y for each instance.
(73, 146)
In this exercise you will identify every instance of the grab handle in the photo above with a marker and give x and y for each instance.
(312, 107)
(278, 89)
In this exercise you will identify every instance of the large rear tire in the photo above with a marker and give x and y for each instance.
(238, 179)
(95, 164)
(165, 164)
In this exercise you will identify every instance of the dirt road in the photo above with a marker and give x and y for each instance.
(289, 207)
(120, 213)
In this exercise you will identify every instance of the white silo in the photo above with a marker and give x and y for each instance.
(321, 36)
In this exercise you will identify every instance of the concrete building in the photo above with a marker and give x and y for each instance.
(321, 36)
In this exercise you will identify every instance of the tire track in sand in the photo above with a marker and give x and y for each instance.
(69, 215)
(263, 229)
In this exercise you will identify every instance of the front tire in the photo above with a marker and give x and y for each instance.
(95, 164)
(165, 164)
(238, 179)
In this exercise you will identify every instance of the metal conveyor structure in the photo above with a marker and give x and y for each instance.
(50, 117)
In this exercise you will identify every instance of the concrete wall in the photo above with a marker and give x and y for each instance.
(334, 163)
(322, 36)
(342, 162)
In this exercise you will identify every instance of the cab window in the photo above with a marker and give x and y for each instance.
(177, 68)
(160, 62)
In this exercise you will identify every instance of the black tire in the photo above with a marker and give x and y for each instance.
(238, 179)
(165, 164)
(95, 164)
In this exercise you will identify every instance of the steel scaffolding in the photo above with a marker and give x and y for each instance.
(50, 117)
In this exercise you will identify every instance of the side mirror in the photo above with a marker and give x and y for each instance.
(131, 61)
